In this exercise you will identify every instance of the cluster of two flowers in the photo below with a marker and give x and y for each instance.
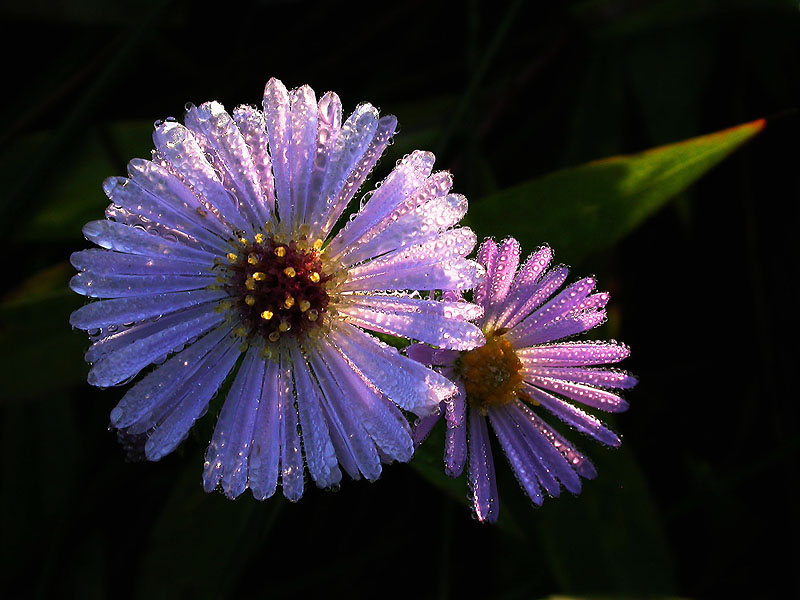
(223, 245)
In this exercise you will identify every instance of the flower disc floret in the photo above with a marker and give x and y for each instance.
(491, 374)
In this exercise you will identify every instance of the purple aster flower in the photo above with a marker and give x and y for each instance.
(221, 247)
(523, 368)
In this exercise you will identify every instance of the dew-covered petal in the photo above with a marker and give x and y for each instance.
(264, 459)
(133, 201)
(178, 146)
(522, 288)
(301, 152)
(124, 286)
(131, 310)
(252, 125)
(407, 176)
(481, 470)
(194, 398)
(452, 244)
(354, 448)
(518, 454)
(319, 451)
(557, 330)
(107, 262)
(536, 295)
(291, 450)
(405, 382)
(277, 110)
(161, 383)
(172, 192)
(229, 451)
(505, 266)
(232, 159)
(329, 122)
(124, 238)
(129, 360)
(358, 146)
(585, 394)
(456, 274)
(572, 415)
(442, 324)
(487, 255)
(565, 302)
(455, 448)
(423, 427)
(455, 406)
(603, 378)
(409, 228)
(568, 354)
(577, 461)
(550, 458)
(113, 339)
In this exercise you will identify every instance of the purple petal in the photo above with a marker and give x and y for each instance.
(557, 330)
(405, 382)
(535, 295)
(182, 223)
(456, 274)
(455, 448)
(565, 302)
(193, 403)
(404, 179)
(131, 310)
(265, 452)
(319, 451)
(505, 266)
(236, 429)
(576, 460)
(254, 131)
(329, 122)
(523, 464)
(361, 141)
(550, 457)
(353, 445)
(172, 192)
(106, 262)
(423, 427)
(124, 286)
(567, 354)
(277, 109)
(128, 361)
(291, 450)
(487, 254)
(302, 151)
(442, 324)
(418, 217)
(382, 421)
(160, 384)
(232, 159)
(572, 415)
(132, 240)
(585, 394)
(180, 149)
(481, 470)
(522, 287)
(603, 378)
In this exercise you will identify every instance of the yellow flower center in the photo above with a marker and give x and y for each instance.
(491, 373)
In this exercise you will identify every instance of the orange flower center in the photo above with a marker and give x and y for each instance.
(491, 373)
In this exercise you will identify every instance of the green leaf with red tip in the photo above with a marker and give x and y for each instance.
(584, 209)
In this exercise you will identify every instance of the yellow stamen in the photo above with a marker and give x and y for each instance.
(252, 259)
(289, 302)
(249, 300)
(318, 245)
(249, 283)
(260, 238)
(232, 257)
(304, 305)
(289, 272)
(313, 277)
(284, 326)
(274, 336)
(280, 251)
(267, 315)
(313, 315)
(259, 276)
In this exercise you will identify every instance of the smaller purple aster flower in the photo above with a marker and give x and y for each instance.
(522, 369)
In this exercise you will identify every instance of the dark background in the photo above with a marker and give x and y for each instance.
(700, 500)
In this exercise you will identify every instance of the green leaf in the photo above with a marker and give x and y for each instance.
(584, 209)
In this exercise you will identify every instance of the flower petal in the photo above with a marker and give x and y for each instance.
(124, 286)
(291, 451)
(405, 382)
(585, 394)
(252, 125)
(487, 255)
(518, 454)
(131, 310)
(567, 354)
(481, 470)
(442, 324)
(320, 454)
(264, 458)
